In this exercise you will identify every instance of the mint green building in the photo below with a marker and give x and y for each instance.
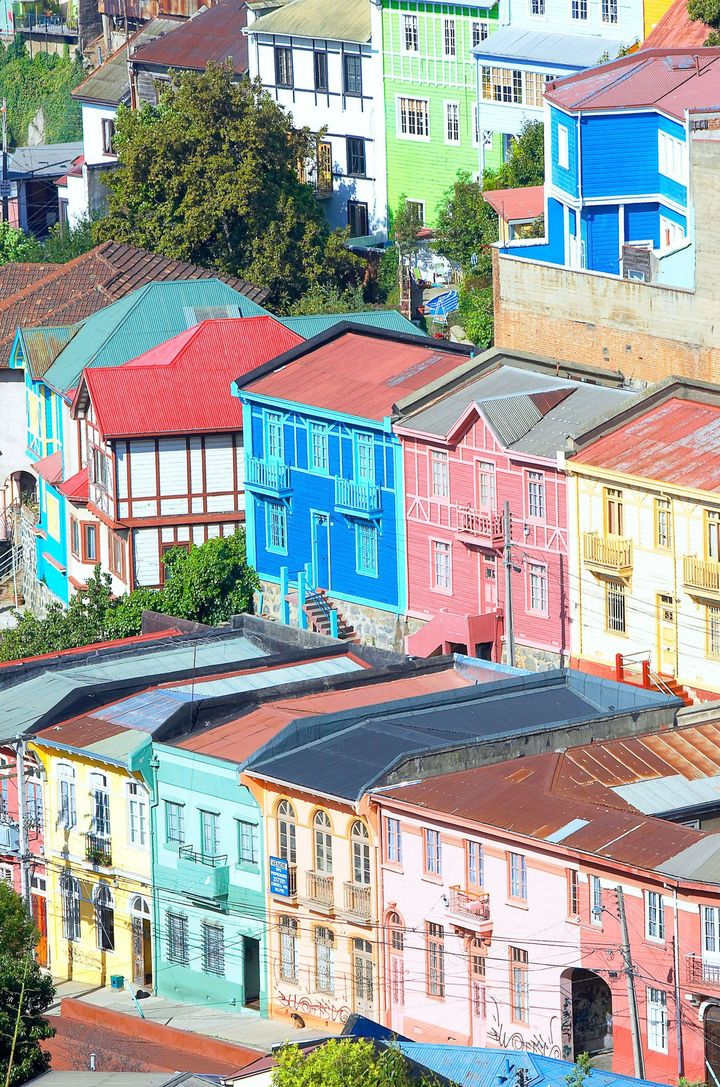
(430, 98)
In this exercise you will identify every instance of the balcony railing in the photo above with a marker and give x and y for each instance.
(607, 554)
(486, 529)
(470, 906)
(267, 476)
(205, 875)
(358, 901)
(701, 577)
(699, 972)
(360, 499)
(98, 850)
(320, 890)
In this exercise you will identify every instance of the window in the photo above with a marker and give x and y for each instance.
(367, 549)
(363, 973)
(414, 117)
(449, 42)
(397, 967)
(100, 805)
(319, 455)
(75, 537)
(435, 941)
(536, 495)
(519, 995)
(486, 485)
(563, 154)
(538, 584)
(663, 523)
(356, 158)
(671, 233)
(393, 841)
(477, 952)
(323, 843)
(287, 832)
(573, 893)
(277, 527)
(452, 122)
(360, 846)
(364, 458)
(108, 132)
(480, 31)
(116, 547)
(209, 834)
(67, 811)
(247, 842)
(324, 960)
(432, 852)
(410, 35)
(176, 932)
(671, 157)
(288, 949)
(657, 1020)
(104, 917)
(100, 471)
(614, 517)
(352, 74)
(579, 9)
(615, 607)
(439, 474)
(535, 89)
(70, 894)
(596, 903)
(274, 437)
(137, 814)
(89, 543)
(518, 876)
(475, 864)
(654, 915)
(537, 7)
(441, 566)
(283, 66)
(52, 515)
(609, 11)
(713, 632)
(712, 535)
(710, 930)
(320, 70)
(34, 795)
(174, 822)
(501, 84)
(358, 220)
(213, 949)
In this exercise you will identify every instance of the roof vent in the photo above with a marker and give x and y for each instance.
(680, 64)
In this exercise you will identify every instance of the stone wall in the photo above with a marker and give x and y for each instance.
(37, 595)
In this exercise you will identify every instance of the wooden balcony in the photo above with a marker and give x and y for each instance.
(607, 555)
(701, 974)
(357, 499)
(701, 577)
(358, 901)
(320, 891)
(480, 529)
(470, 909)
(267, 477)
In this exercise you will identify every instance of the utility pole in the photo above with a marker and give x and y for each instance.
(509, 627)
(24, 850)
(630, 980)
(5, 184)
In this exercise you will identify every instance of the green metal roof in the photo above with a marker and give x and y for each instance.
(142, 320)
(41, 346)
(346, 22)
(391, 319)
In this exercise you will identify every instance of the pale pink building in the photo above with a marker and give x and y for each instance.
(490, 438)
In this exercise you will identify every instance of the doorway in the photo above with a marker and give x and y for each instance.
(488, 584)
(320, 527)
(712, 1042)
(251, 949)
(141, 936)
(591, 1013)
(666, 634)
(39, 916)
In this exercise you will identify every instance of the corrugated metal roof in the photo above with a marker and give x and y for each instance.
(214, 35)
(310, 326)
(41, 346)
(567, 51)
(671, 793)
(676, 30)
(347, 22)
(43, 160)
(110, 83)
(514, 204)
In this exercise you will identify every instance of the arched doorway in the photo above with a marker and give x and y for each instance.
(141, 941)
(591, 1013)
(711, 1023)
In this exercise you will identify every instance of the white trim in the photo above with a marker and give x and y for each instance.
(448, 141)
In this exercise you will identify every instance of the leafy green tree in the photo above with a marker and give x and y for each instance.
(525, 164)
(320, 299)
(346, 1062)
(405, 226)
(209, 583)
(66, 243)
(466, 227)
(476, 313)
(210, 175)
(25, 993)
(15, 245)
(705, 11)
(40, 83)
(580, 1072)
(17, 931)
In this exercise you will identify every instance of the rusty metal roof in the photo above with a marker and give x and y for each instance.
(212, 35)
(110, 83)
(41, 346)
(677, 30)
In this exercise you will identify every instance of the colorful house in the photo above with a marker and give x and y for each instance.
(323, 471)
(25, 879)
(645, 562)
(486, 444)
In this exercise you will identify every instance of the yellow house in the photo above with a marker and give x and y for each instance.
(644, 525)
(98, 853)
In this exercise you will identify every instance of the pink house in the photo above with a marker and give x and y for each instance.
(10, 839)
(489, 438)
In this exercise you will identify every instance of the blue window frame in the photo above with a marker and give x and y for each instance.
(364, 458)
(366, 549)
(318, 452)
(277, 528)
(274, 438)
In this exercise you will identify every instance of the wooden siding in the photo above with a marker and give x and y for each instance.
(562, 178)
(620, 156)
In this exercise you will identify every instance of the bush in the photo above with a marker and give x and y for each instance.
(476, 315)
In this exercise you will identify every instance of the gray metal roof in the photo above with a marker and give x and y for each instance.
(503, 396)
(700, 861)
(347, 22)
(110, 83)
(45, 160)
(671, 793)
(566, 51)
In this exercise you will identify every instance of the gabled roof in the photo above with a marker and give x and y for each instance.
(676, 30)
(212, 35)
(110, 83)
(142, 320)
(671, 80)
(182, 386)
(314, 324)
(50, 468)
(566, 51)
(48, 160)
(15, 277)
(41, 346)
(347, 22)
(355, 370)
(76, 488)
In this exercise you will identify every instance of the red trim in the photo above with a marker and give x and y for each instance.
(103, 517)
(182, 519)
(79, 585)
(53, 562)
(154, 636)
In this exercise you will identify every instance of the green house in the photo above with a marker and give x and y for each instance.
(430, 99)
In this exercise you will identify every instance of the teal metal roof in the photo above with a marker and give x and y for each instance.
(142, 320)
(41, 346)
(391, 319)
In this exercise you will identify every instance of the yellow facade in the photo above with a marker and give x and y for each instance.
(98, 863)
(644, 576)
(653, 11)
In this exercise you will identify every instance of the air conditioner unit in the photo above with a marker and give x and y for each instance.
(9, 838)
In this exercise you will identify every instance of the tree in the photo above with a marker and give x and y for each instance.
(466, 227)
(17, 931)
(346, 1062)
(210, 175)
(25, 993)
(581, 1070)
(525, 164)
(321, 299)
(708, 12)
(210, 583)
(405, 226)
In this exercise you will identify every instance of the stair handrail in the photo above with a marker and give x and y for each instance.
(314, 594)
(660, 683)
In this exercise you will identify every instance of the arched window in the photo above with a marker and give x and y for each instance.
(287, 831)
(360, 844)
(396, 934)
(104, 917)
(324, 960)
(100, 805)
(323, 843)
(139, 907)
(70, 897)
(477, 950)
(396, 947)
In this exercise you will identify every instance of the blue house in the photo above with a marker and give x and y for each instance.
(617, 162)
(323, 473)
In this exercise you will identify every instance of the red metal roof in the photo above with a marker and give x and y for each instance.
(183, 386)
(50, 468)
(76, 488)
(676, 30)
(672, 80)
(513, 204)
(675, 442)
(214, 35)
(359, 372)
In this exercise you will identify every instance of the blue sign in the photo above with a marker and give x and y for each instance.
(279, 877)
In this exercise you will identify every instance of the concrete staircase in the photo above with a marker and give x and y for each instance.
(673, 687)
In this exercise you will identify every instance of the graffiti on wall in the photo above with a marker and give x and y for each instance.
(320, 1007)
(498, 1035)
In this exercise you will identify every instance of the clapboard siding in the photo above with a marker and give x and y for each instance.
(629, 141)
(147, 557)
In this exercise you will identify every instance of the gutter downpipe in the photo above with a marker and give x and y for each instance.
(154, 806)
(579, 223)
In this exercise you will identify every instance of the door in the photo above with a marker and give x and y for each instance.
(252, 971)
(666, 635)
(712, 1043)
(39, 914)
(321, 550)
(141, 951)
(488, 584)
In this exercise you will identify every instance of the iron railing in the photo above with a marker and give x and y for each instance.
(475, 906)
(699, 972)
(98, 850)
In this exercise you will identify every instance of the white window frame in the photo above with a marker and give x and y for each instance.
(421, 137)
(563, 149)
(438, 548)
(654, 916)
(672, 157)
(710, 933)
(657, 1020)
(537, 598)
(449, 38)
(137, 799)
(410, 22)
(439, 474)
(595, 887)
(393, 840)
(452, 110)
